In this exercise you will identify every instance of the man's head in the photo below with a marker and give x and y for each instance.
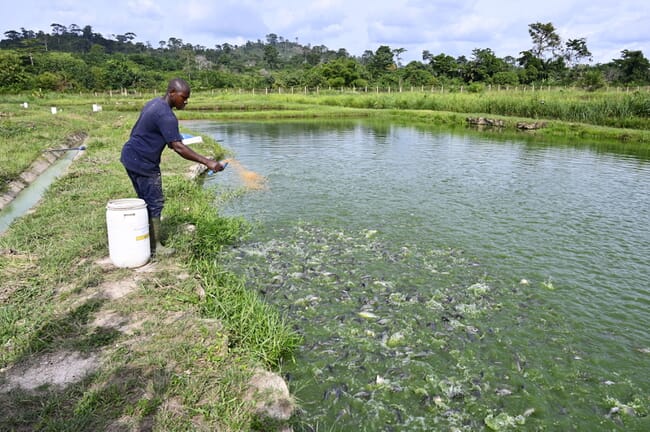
(178, 92)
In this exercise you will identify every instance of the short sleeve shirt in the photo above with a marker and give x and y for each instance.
(156, 127)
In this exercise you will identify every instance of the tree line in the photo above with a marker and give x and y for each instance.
(73, 58)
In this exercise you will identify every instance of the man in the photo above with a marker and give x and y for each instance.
(156, 128)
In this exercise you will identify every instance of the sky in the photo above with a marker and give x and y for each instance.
(452, 27)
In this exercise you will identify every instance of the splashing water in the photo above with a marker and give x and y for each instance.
(539, 325)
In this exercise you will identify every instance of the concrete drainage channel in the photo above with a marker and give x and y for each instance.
(25, 192)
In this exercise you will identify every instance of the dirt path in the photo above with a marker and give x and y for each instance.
(61, 368)
(36, 375)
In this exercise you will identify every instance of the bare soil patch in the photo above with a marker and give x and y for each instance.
(57, 368)
(65, 367)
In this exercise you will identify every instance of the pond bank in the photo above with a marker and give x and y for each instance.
(122, 348)
(38, 167)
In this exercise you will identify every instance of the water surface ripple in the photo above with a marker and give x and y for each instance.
(444, 280)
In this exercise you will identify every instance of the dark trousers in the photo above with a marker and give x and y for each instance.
(149, 188)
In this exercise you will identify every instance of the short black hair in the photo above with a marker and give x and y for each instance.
(178, 84)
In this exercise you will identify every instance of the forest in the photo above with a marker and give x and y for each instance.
(74, 59)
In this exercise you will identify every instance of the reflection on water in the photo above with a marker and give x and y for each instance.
(446, 280)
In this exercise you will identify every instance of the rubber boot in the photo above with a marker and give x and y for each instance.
(157, 249)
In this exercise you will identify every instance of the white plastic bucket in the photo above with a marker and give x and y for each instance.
(128, 232)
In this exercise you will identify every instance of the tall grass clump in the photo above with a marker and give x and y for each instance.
(605, 108)
(253, 325)
(200, 232)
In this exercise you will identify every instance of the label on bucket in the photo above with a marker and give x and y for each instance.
(142, 237)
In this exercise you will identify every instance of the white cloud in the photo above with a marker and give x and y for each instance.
(453, 27)
(145, 8)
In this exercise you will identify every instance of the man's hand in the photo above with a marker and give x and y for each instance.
(215, 166)
(189, 154)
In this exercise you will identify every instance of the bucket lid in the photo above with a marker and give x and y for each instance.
(126, 204)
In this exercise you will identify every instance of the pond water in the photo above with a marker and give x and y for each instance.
(447, 281)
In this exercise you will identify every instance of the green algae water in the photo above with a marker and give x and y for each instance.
(445, 281)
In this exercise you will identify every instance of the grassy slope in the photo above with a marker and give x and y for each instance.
(177, 348)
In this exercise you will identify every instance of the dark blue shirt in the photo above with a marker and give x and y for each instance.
(156, 127)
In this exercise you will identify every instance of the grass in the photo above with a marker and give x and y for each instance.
(619, 110)
(615, 109)
(177, 349)
(177, 345)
